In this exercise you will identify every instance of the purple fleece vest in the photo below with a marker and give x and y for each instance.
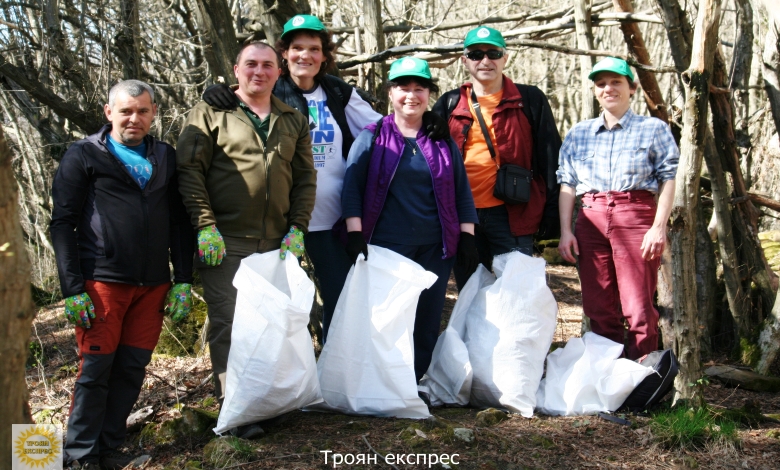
(386, 155)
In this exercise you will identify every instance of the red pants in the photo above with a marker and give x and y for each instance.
(124, 314)
(616, 281)
(113, 356)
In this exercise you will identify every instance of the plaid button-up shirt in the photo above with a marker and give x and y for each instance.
(638, 153)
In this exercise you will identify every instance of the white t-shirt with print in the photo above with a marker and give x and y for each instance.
(327, 145)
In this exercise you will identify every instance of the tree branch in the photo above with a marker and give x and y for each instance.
(85, 120)
(458, 48)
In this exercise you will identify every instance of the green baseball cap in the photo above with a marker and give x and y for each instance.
(612, 64)
(303, 22)
(484, 35)
(409, 67)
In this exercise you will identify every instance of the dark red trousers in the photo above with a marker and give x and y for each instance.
(113, 356)
(616, 281)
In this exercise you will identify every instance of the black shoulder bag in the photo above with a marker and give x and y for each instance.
(513, 182)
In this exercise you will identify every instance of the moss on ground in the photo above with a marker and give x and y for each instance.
(183, 338)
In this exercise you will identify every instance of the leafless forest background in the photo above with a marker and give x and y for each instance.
(58, 58)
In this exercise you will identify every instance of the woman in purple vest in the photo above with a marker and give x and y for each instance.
(410, 194)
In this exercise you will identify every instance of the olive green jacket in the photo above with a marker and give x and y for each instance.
(229, 178)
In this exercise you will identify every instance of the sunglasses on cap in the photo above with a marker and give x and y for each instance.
(477, 55)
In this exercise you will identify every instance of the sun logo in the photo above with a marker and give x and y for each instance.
(37, 446)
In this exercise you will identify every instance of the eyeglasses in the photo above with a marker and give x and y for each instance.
(477, 55)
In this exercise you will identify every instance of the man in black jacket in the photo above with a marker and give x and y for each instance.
(520, 132)
(117, 219)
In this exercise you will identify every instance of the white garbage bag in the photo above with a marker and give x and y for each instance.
(509, 329)
(271, 368)
(586, 377)
(448, 379)
(367, 365)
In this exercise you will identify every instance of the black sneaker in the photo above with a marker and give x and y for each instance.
(247, 431)
(117, 460)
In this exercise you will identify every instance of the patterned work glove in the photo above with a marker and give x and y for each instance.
(79, 309)
(220, 96)
(292, 242)
(435, 126)
(179, 301)
(211, 247)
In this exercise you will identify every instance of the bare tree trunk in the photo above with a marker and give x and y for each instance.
(740, 68)
(276, 13)
(221, 47)
(375, 42)
(745, 215)
(685, 210)
(590, 107)
(679, 32)
(17, 313)
(738, 300)
(771, 61)
(705, 283)
(665, 292)
(756, 83)
(127, 40)
(636, 45)
(769, 339)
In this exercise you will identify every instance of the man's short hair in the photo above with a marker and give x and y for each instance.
(132, 88)
(261, 45)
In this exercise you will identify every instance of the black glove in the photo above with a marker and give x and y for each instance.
(468, 258)
(356, 244)
(435, 126)
(220, 96)
(549, 228)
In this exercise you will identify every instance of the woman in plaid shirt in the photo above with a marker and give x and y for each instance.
(623, 165)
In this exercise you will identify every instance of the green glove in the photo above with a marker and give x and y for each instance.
(292, 242)
(211, 247)
(79, 309)
(179, 301)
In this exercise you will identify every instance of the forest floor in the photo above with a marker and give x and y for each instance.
(298, 443)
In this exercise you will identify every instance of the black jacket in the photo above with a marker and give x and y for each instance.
(106, 228)
(338, 93)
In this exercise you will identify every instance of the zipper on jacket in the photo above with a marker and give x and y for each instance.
(392, 177)
(267, 178)
(194, 148)
(145, 207)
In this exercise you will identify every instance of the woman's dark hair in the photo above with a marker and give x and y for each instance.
(403, 81)
(327, 49)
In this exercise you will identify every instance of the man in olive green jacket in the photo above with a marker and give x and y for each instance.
(248, 181)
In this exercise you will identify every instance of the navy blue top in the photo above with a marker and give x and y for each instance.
(410, 215)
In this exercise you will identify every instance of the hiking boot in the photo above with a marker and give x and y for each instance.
(117, 460)
(247, 431)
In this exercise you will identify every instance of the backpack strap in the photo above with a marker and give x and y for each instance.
(524, 93)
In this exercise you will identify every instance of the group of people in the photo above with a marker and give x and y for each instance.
(293, 159)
